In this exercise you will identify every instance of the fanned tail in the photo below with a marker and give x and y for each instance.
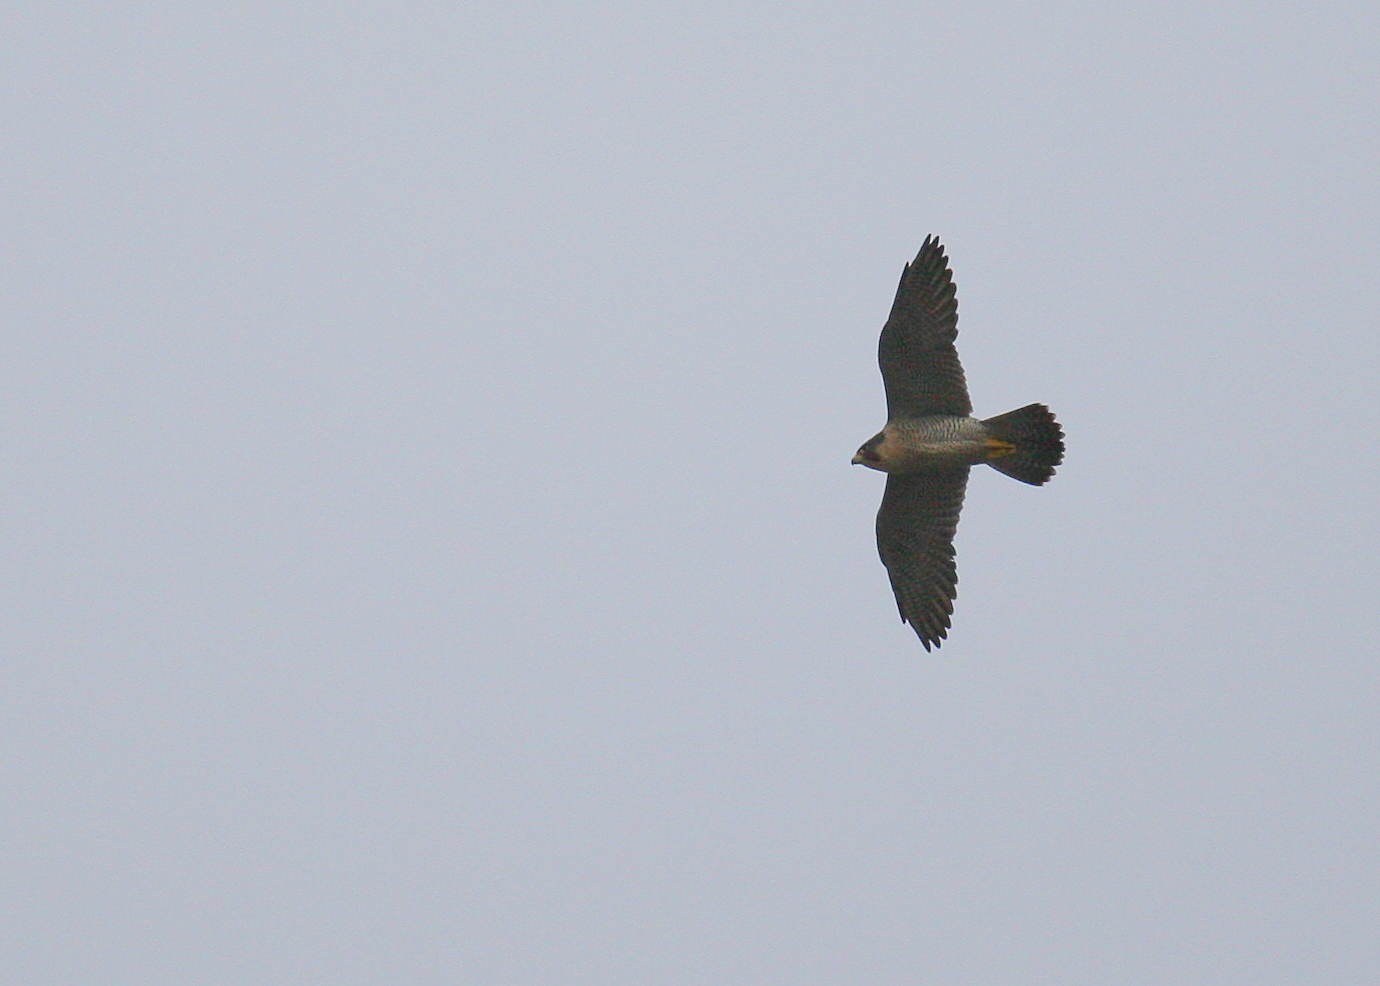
(1026, 444)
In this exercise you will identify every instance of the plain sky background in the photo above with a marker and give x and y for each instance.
(430, 551)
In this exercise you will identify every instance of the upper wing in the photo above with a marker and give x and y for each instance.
(915, 537)
(919, 363)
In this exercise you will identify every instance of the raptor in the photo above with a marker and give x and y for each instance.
(931, 441)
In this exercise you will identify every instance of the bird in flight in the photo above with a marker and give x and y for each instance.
(931, 440)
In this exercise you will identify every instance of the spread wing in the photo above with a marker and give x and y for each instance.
(915, 537)
(919, 363)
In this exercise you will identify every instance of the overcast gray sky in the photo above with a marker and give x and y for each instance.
(430, 551)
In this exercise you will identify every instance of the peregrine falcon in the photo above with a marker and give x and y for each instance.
(931, 440)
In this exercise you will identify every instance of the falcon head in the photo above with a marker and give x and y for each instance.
(870, 454)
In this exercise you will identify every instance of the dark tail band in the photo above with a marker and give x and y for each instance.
(1037, 439)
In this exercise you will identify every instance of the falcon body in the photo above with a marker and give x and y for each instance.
(931, 440)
